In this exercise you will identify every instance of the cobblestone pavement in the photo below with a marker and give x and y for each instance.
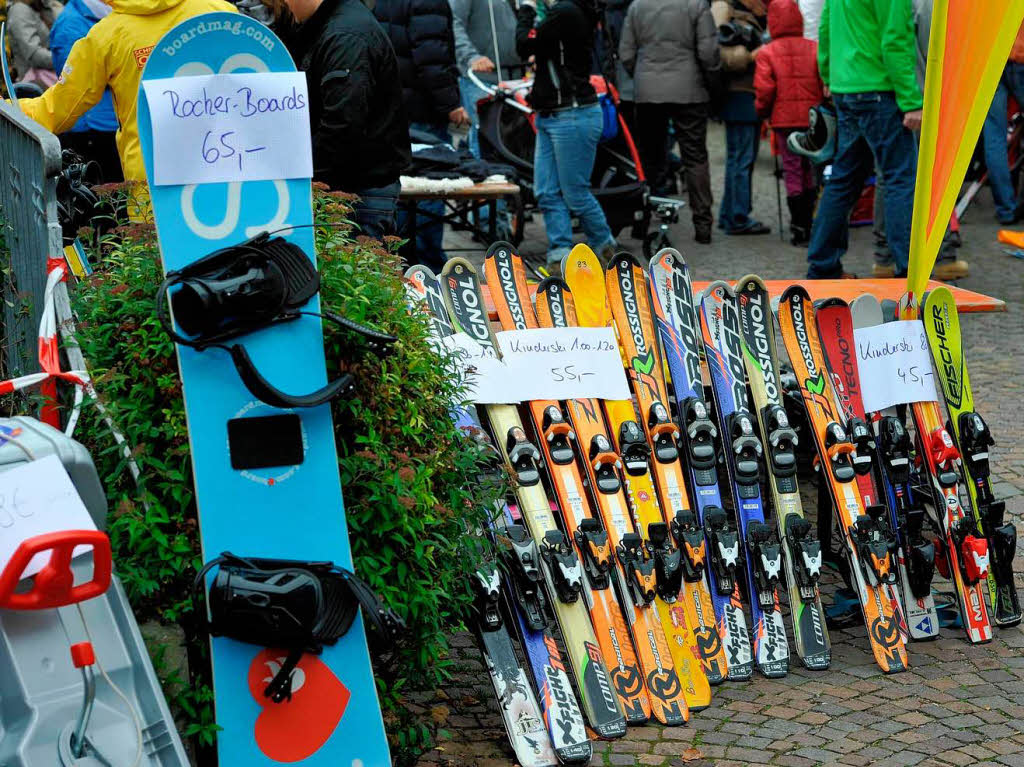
(957, 705)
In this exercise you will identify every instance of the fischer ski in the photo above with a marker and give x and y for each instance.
(870, 563)
(506, 279)
(563, 572)
(723, 349)
(973, 439)
(661, 620)
(834, 319)
(966, 561)
(801, 549)
(519, 588)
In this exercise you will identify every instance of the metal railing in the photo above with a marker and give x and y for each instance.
(30, 159)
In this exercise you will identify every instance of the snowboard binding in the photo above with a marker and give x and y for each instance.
(564, 566)
(972, 551)
(633, 448)
(840, 451)
(663, 434)
(690, 539)
(638, 569)
(725, 548)
(487, 588)
(781, 447)
(559, 435)
(670, 565)
(299, 606)
(876, 547)
(248, 287)
(605, 462)
(766, 556)
(747, 452)
(592, 542)
(863, 445)
(806, 551)
(522, 563)
(699, 435)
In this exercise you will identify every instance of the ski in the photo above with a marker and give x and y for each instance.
(672, 303)
(562, 571)
(627, 300)
(506, 279)
(973, 439)
(720, 328)
(800, 548)
(868, 564)
(834, 319)
(659, 624)
(965, 560)
(519, 586)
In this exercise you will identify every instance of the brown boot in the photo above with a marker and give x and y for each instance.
(945, 271)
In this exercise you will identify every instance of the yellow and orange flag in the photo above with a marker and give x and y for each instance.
(970, 41)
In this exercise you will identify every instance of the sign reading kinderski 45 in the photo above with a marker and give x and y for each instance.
(230, 127)
(895, 365)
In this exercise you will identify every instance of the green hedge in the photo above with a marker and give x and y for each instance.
(407, 472)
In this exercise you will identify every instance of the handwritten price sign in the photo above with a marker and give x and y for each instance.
(236, 127)
(895, 365)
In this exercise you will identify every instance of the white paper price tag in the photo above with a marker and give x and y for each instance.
(895, 365)
(488, 380)
(38, 498)
(234, 127)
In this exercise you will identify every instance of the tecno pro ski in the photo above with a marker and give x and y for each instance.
(723, 349)
(506, 280)
(966, 553)
(519, 587)
(599, 305)
(973, 438)
(867, 567)
(672, 303)
(563, 574)
(649, 578)
(835, 331)
(801, 550)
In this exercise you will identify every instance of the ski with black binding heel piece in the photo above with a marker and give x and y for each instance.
(800, 547)
(562, 569)
(973, 439)
(870, 564)
(723, 349)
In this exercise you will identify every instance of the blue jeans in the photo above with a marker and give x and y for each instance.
(742, 141)
(563, 162)
(375, 211)
(994, 137)
(871, 132)
(427, 249)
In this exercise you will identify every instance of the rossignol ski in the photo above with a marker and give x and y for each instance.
(966, 554)
(532, 731)
(647, 576)
(800, 547)
(562, 570)
(973, 439)
(835, 331)
(723, 349)
(506, 280)
(672, 303)
(867, 568)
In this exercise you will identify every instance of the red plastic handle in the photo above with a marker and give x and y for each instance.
(54, 584)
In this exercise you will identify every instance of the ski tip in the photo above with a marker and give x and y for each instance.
(500, 248)
(458, 265)
(622, 260)
(796, 289)
(544, 285)
(719, 289)
(827, 303)
(419, 273)
(667, 258)
(750, 283)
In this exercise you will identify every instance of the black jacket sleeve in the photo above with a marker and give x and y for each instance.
(525, 38)
(560, 23)
(342, 65)
(433, 53)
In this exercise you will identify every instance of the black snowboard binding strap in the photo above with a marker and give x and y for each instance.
(747, 452)
(668, 562)
(244, 288)
(295, 605)
(725, 548)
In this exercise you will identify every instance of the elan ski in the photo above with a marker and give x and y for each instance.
(506, 279)
(973, 439)
(870, 564)
(723, 349)
(801, 549)
(563, 575)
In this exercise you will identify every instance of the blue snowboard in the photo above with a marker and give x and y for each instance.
(290, 512)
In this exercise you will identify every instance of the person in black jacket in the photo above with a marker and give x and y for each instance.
(569, 122)
(360, 131)
(421, 34)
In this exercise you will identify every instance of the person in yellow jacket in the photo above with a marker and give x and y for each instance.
(113, 55)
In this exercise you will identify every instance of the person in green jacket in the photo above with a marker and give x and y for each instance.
(867, 56)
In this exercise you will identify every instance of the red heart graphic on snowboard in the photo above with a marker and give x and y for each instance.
(293, 730)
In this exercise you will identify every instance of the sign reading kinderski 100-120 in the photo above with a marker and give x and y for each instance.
(231, 127)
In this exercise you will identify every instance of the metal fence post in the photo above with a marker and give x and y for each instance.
(30, 159)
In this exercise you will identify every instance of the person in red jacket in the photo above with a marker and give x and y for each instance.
(787, 85)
